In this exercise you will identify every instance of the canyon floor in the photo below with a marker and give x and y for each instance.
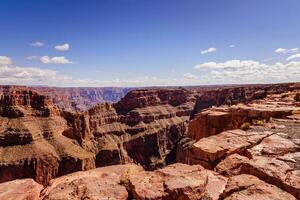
(237, 142)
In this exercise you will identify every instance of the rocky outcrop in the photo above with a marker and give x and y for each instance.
(146, 127)
(269, 150)
(15, 101)
(40, 146)
(238, 94)
(123, 182)
(100, 183)
(143, 127)
(33, 144)
(217, 119)
(23, 189)
(244, 187)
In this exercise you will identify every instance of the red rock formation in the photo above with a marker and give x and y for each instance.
(40, 146)
(32, 144)
(144, 127)
(217, 119)
(122, 182)
(238, 94)
(272, 157)
(101, 183)
(24, 189)
(81, 99)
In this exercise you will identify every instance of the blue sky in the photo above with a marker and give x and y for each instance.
(148, 42)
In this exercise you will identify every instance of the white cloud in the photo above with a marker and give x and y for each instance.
(293, 57)
(229, 64)
(4, 60)
(282, 50)
(37, 44)
(209, 50)
(248, 71)
(31, 57)
(63, 47)
(31, 76)
(232, 46)
(55, 60)
(189, 76)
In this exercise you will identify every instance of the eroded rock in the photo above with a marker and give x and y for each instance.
(23, 189)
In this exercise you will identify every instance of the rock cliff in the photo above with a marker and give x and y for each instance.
(267, 149)
(153, 128)
(128, 182)
(81, 99)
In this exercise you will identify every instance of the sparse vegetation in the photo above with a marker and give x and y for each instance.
(245, 126)
(260, 122)
(297, 97)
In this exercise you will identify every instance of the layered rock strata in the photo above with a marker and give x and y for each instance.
(40, 141)
(32, 139)
(269, 150)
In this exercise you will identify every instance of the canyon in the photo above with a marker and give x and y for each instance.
(219, 142)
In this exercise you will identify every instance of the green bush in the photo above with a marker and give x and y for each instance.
(245, 126)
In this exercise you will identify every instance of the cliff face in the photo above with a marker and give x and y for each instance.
(81, 99)
(268, 147)
(32, 141)
(40, 141)
(234, 95)
(143, 127)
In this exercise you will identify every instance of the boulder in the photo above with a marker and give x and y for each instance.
(22, 189)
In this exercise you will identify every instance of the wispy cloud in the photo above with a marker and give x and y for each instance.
(293, 57)
(37, 44)
(55, 60)
(63, 47)
(4, 60)
(11, 74)
(282, 50)
(209, 50)
(249, 71)
(232, 46)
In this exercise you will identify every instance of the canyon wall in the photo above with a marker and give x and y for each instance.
(40, 141)
(81, 98)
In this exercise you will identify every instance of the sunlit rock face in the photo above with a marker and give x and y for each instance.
(153, 129)
(40, 141)
(268, 150)
(122, 182)
(32, 139)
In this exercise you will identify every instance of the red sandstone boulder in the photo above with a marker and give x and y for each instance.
(246, 187)
(273, 145)
(209, 151)
(100, 183)
(231, 165)
(23, 189)
(177, 181)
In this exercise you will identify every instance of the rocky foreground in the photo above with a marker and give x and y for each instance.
(190, 140)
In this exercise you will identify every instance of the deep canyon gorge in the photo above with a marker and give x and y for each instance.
(150, 143)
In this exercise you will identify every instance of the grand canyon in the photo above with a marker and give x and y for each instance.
(149, 100)
(218, 142)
